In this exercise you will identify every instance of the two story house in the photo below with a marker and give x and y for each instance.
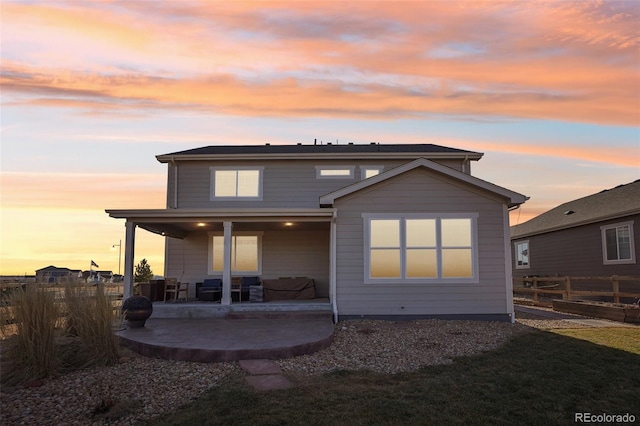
(384, 230)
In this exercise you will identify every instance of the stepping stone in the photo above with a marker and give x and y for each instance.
(268, 382)
(260, 366)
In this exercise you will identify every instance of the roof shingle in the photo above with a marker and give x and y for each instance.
(623, 200)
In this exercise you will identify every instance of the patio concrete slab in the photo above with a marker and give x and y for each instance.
(222, 339)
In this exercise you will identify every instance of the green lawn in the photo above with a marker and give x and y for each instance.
(626, 339)
(539, 378)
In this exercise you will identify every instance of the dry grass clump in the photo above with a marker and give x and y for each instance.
(91, 317)
(45, 335)
(32, 353)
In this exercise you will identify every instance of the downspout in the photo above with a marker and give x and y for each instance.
(508, 266)
(332, 266)
(466, 168)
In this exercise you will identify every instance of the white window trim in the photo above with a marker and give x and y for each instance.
(363, 170)
(632, 250)
(475, 279)
(319, 170)
(515, 248)
(258, 234)
(212, 194)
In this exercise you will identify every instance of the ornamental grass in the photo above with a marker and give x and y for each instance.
(35, 317)
(45, 335)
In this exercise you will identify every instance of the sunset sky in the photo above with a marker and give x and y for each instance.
(91, 91)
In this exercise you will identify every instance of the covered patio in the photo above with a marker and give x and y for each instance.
(207, 243)
(231, 243)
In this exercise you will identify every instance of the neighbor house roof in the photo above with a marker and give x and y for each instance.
(52, 268)
(301, 151)
(623, 200)
(513, 198)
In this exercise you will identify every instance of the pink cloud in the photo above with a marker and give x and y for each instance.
(563, 61)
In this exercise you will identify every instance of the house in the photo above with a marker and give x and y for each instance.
(52, 274)
(384, 231)
(594, 236)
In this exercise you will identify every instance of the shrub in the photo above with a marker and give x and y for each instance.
(32, 352)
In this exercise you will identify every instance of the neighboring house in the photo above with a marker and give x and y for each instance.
(593, 236)
(53, 274)
(385, 231)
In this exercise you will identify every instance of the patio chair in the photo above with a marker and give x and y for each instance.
(236, 287)
(209, 289)
(172, 286)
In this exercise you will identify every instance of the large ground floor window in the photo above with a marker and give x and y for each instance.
(246, 253)
(414, 248)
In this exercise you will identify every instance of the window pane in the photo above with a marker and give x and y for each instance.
(218, 253)
(422, 263)
(335, 172)
(624, 243)
(225, 185)
(248, 183)
(246, 253)
(421, 233)
(385, 263)
(385, 233)
(456, 263)
(456, 232)
(523, 254)
(612, 244)
(371, 173)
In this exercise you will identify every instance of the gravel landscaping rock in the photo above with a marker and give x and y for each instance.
(139, 388)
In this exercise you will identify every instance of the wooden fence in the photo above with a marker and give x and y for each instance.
(563, 286)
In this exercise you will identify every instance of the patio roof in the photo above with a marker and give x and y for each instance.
(177, 223)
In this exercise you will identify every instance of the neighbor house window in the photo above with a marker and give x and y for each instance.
(420, 248)
(370, 171)
(617, 243)
(236, 183)
(246, 254)
(522, 254)
(334, 172)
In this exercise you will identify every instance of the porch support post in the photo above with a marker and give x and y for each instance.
(226, 267)
(333, 296)
(129, 250)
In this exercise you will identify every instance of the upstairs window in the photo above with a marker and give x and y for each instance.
(617, 243)
(522, 254)
(236, 183)
(370, 171)
(334, 172)
(420, 248)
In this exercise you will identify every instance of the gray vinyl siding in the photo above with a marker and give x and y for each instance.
(575, 252)
(171, 190)
(284, 254)
(286, 184)
(414, 192)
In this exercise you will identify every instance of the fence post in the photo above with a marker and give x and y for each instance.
(535, 289)
(567, 284)
(616, 289)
